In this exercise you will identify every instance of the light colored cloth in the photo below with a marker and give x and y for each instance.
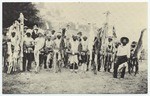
(39, 43)
(49, 44)
(84, 45)
(14, 40)
(123, 50)
(28, 41)
(73, 58)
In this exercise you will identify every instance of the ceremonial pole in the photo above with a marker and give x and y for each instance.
(106, 25)
(21, 18)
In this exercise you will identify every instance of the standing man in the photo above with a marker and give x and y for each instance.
(39, 44)
(73, 57)
(49, 52)
(109, 50)
(96, 54)
(28, 44)
(57, 54)
(35, 32)
(67, 51)
(79, 39)
(84, 54)
(122, 55)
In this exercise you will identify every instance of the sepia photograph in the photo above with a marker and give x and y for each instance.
(74, 47)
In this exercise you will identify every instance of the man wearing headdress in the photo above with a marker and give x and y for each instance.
(57, 54)
(39, 45)
(13, 51)
(53, 35)
(79, 39)
(96, 52)
(35, 32)
(84, 54)
(109, 50)
(73, 57)
(49, 51)
(67, 51)
(133, 59)
(28, 45)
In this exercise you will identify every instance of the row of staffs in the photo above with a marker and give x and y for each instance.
(100, 35)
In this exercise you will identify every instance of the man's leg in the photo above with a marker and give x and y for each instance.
(29, 58)
(37, 58)
(136, 66)
(129, 66)
(115, 70)
(106, 63)
(24, 61)
(98, 62)
(123, 73)
(88, 61)
(109, 63)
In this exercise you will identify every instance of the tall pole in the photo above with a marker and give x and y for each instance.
(21, 18)
(105, 33)
(106, 26)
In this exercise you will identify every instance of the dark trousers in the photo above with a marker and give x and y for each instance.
(79, 59)
(99, 62)
(123, 72)
(29, 58)
(120, 60)
(42, 58)
(66, 60)
(74, 66)
(108, 63)
(135, 65)
(88, 61)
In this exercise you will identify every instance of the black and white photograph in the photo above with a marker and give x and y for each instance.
(74, 47)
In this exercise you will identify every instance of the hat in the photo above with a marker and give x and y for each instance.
(35, 27)
(29, 31)
(124, 38)
(48, 37)
(110, 38)
(13, 31)
(53, 37)
(53, 31)
(25, 27)
(58, 34)
(74, 37)
(63, 29)
(84, 38)
(134, 43)
(79, 33)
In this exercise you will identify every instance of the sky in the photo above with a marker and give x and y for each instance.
(128, 18)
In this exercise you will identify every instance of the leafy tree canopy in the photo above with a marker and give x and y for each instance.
(11, 13)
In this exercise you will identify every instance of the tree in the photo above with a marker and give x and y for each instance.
(11, 11)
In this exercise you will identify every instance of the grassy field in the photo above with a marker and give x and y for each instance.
(66, 82)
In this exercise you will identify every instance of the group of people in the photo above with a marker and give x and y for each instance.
(54, 50)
